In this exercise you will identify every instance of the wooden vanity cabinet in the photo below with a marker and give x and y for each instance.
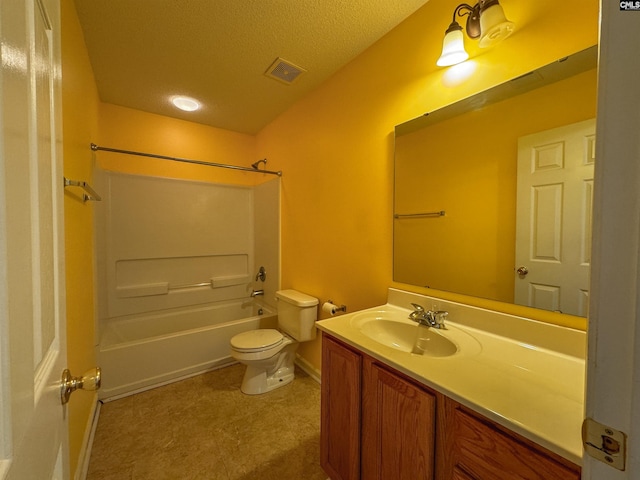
(378, 424)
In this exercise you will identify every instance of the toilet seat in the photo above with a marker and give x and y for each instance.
(256, 340)
(251, 342)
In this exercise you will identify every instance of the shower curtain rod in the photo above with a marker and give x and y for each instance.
(95, 147)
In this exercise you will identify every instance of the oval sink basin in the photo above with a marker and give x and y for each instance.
(394, 330)
(409, 338)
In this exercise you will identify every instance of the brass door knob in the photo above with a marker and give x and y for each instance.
(91, 380)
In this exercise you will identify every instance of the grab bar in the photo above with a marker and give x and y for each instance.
(90, 192)
(191, 285)
(439, 213)
(163, 288)
(215, 282)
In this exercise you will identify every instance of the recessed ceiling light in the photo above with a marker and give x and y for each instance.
(185, 103)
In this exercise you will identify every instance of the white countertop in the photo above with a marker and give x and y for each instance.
(525, 375)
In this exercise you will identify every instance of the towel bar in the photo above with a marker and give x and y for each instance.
(439, 213)
(90, 192)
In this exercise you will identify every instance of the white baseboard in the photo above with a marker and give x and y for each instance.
(87, 443)
(308, 368)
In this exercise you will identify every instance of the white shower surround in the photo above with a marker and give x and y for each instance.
(176, 263)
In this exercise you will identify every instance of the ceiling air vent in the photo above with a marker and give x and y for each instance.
(284, 71)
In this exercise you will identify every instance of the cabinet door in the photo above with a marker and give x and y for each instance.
(490, 453)
(340, 411)
(398, 427)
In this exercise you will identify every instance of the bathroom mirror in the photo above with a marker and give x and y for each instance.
(467, 219)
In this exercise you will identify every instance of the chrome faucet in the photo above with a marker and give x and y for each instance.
(428, 318)
(255, 293)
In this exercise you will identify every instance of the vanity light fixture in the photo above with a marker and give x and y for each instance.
(486, 22)
(187, 104)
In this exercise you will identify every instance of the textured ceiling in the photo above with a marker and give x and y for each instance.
(144, 51)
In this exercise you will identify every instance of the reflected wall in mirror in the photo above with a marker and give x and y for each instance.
(463, 160)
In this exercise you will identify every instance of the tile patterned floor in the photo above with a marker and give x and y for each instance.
(204, 428)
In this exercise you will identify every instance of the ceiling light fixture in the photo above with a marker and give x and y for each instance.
(187, 104)
(486, 22)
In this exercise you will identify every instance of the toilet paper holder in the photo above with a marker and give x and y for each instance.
(331, 308)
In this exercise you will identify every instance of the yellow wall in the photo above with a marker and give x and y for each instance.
(128, 129)
(467, 165)
(335, 146)
(80, 125)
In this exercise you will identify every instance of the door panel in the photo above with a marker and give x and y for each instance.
(398, 427)
(32, 311)
(553, 230)
(340, 411)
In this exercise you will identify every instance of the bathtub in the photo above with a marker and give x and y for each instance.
(139, 352)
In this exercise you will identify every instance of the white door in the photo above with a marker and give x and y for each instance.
(613, 360)
(33, 425)
(553, 229)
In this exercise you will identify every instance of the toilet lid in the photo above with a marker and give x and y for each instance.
(256, 340)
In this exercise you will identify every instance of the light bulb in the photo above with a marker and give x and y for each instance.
(453, 51)
(187, 104)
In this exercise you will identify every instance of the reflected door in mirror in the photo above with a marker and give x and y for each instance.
(553, 229)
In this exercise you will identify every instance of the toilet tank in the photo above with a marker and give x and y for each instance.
(297, 314)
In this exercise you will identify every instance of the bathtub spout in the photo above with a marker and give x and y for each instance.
(255, 293)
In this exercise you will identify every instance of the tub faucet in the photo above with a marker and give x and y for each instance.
(255, 293)
(428, 318)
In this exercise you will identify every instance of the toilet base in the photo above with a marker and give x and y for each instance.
(256, 380)
(264, 376)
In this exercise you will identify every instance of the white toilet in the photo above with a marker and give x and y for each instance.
(268, 353)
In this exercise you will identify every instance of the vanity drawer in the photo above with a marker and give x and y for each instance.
(460, 475)
(486, 452)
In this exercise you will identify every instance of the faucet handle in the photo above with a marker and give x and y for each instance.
(439, 317)
(417, 308)
(418, 312)
(261, 275)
